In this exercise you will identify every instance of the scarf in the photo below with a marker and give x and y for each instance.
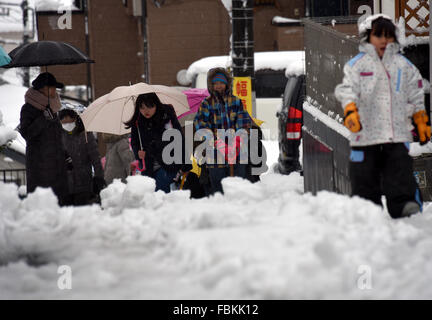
(40, 101)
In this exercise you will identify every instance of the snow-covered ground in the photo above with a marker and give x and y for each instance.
(258, 241)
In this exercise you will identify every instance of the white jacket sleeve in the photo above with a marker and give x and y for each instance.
(415, 90)
(349, 90)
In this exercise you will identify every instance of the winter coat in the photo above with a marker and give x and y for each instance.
(118, 157)
(216, 114)
(387, 93)
(45, 155)
(151, 131)
(84, 155)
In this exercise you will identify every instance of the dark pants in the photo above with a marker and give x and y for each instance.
(76, 199)
(384, 169)
(217, 174)
(164, 179)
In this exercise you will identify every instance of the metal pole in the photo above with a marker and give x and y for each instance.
(24, 7)
(430, 55)
(243, 43)
(145, 40)
(87, 44)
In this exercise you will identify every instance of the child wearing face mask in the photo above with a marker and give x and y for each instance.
(83, 151)
(382, 96)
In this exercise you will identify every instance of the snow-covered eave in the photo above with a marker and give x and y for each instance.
(282, 21)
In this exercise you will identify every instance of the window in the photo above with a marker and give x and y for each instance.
(270, 83)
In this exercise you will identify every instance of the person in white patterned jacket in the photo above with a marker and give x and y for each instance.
(382, 96)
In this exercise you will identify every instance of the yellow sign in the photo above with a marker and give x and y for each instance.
(243, 90)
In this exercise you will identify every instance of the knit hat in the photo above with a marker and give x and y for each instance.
(220, 77)
(46, 79)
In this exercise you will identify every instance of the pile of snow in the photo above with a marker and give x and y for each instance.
(293, 62)
(6, 134)
(11, 101)
(259, 241)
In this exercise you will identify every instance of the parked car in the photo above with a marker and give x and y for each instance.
(290, 121)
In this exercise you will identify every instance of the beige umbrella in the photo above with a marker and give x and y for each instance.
(109, 112)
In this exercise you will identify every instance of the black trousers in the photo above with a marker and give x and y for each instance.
(384, 169)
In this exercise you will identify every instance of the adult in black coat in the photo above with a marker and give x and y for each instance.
(150, 120)
(40, 126)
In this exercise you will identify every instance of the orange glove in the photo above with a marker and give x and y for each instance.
(424, 131)
(352, 118)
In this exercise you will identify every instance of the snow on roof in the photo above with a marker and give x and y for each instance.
(54, 5)
(290, 61)
(278, 19)
(227, 4)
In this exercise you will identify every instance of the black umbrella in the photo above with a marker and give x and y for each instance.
(46, 53)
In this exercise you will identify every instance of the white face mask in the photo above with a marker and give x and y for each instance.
(69, 126)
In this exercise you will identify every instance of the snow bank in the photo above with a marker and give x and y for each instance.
(259, 241)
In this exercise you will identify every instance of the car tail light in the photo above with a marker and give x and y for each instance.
(294, 124)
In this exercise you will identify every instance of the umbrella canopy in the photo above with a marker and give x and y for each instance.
(194, 96)
(109, 112)
(4, 58)
(46, 53)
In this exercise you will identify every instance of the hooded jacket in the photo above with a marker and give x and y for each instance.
(226, 112)
(387, 92)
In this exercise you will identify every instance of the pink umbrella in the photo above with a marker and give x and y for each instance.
(194, 97)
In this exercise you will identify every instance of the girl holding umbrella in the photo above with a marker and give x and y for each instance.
(150, 120)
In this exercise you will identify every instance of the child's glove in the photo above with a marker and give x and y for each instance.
(352, 118)
(424, 131)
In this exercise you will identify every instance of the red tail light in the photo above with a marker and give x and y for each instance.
(294, 124)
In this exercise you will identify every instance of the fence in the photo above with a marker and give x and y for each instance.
(17, 176)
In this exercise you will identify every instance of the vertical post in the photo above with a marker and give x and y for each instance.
(145, 40)
(87, 44)
(243, 43)
(24, 7)
(307, 8)
(430, 54)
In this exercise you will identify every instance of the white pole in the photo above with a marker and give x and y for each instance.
(430, 53)
(376, 7)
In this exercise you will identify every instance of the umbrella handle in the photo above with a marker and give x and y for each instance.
(139, 136)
